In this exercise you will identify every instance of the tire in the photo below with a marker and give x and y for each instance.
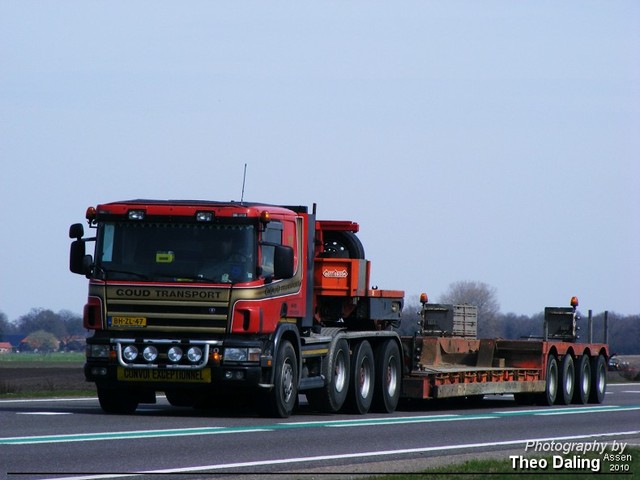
(362, 379)
(282, 398)
(332, 396)
(386, 393)
(598, 379)
(117, 401)
(548, 397)
(342, 245)
(567, 380)
(583, 380)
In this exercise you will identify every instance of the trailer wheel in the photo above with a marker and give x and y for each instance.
(332, 396)
(362, 379)
(386, 393)
(567, 381)
(342, 245)
(282, 398)
(598, 379)
(117, 401)
(583, 380)
(548, 397)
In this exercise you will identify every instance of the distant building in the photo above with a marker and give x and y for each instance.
(74, 343)
(5, 347)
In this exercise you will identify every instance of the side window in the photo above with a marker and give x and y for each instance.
(271, 235)
(107, 243)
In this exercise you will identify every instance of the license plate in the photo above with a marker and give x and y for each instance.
(127, 322)
(202, 375)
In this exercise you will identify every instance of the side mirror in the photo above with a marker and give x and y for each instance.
(283, 262)
(79, 261)
(76, 231)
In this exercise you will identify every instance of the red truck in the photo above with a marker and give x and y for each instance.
(206, 300)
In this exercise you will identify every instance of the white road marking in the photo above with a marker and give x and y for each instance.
(37, 400)
(44, 413)
(320, 458)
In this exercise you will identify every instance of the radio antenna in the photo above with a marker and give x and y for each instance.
(244, 178)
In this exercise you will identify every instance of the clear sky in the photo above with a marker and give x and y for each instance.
(494, 141)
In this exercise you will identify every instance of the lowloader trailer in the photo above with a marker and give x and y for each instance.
(554, 368)
(208, 300)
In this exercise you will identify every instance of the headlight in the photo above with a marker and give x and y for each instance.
(251, 354)
(98, 351)
(174, 354)
(194, 354)
(130, 353)
(150, 353)
(235, 355)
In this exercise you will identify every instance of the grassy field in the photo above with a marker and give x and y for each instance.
(42, 359)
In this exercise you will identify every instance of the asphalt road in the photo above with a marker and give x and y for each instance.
(72, 438)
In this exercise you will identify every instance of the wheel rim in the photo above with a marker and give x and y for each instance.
(365, 378)
(585, 379)
(552, 381)
(569, 383)
(601, 380)
(391, 377)
(340, 372)
(287, 381)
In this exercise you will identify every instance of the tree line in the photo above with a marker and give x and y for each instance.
(44, 329)
(623, 330)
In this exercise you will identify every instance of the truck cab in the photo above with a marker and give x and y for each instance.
(202, 299)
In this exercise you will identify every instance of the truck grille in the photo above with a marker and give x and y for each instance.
(167, 309)
(174, 316)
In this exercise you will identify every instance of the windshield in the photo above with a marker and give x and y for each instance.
(176, 252)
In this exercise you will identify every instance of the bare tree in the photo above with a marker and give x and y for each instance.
(6, 327)
(410, 323)
(42, 319)
(482, 296)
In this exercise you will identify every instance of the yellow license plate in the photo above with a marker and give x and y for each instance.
(127, 322)
(163, 375)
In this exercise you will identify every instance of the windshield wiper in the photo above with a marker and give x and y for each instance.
(106, 272)
(191, 278)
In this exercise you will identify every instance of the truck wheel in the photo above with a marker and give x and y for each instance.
(332, 396)
(117, 401)
(282, 398)
(598, 379)
(386, 393)
(342, 245)
(548, 397)
(583, 380)
(362, 379)
(567, 380)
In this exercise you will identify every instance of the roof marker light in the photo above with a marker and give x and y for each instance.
(574, 302)
(204, 216)
(136, 214)
(91, 213)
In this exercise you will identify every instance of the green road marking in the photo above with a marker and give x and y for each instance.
(361, 422)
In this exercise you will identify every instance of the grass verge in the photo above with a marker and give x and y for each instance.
(41, 359)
